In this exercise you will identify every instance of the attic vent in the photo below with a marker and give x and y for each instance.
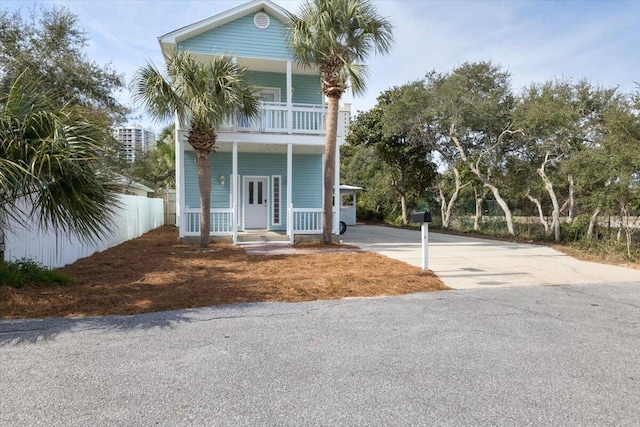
(261, 20)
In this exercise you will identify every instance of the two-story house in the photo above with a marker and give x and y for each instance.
(266, 173)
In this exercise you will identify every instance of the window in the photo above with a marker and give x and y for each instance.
(347, 200)
(277, 191)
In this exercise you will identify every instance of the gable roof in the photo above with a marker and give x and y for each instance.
(171, 39)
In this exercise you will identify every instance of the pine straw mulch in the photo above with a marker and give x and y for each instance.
(155, 273)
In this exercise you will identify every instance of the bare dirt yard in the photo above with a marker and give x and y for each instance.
(155, 273)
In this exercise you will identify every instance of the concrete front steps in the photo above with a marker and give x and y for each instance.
(261, 236)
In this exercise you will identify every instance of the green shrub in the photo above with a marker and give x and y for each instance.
(365, 214)
(607, 249)
(24, 272)
(576, 230)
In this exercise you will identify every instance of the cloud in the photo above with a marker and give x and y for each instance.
(534, 40)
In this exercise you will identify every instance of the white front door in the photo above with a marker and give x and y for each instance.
(255, 203)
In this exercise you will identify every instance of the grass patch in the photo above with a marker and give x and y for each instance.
(25, 272)
(607, 251)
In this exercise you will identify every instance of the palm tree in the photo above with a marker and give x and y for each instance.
(337, 36)
(203, 94)
(49, 164)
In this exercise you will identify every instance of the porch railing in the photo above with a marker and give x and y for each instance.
(221, 222)
(306, 221)
(300, 220)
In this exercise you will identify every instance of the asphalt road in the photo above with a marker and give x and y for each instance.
(539, 356)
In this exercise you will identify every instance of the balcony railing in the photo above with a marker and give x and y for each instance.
(276, 117)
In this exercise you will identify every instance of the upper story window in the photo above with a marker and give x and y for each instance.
(261, 20)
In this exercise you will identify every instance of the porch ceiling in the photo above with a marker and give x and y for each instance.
(248, 147)
(266, 65)
(252, 147)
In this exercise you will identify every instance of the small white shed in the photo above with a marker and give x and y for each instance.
(126, 185)
(348, 199)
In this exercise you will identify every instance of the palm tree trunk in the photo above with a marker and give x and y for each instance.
(330, 168)
(204, 184)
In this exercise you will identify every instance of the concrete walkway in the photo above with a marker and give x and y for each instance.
(467, 263)
(284, 248)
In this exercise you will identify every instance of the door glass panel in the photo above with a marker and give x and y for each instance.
(250, 192)
(260, 192)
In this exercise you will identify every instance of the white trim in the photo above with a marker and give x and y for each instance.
(289, 99)
(273, 199)
(181, 220)
(234, 192)
(289, 186)
(336, 194)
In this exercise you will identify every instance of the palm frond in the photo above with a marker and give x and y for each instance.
(203, 93)
(338, 36)
(47, 165)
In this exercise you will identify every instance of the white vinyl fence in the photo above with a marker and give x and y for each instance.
(136, 216)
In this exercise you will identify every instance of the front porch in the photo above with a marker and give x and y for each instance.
(302, 224)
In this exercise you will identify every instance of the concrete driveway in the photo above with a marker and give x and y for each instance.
(467, 263)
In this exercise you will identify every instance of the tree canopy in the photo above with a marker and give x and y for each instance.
(388, 129)
(560, 147)
(56, 109)
(48, 48)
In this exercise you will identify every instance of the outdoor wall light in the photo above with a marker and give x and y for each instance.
(222, 179)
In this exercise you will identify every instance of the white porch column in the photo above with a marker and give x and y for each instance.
(181, 218)
(336, 194)
(289, 99)
(234, 190)
(289, 186)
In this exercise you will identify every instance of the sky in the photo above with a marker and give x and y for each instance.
(535, 41)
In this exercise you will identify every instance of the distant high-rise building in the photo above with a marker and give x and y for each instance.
(135, 139)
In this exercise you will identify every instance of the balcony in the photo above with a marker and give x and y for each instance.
(277, 117)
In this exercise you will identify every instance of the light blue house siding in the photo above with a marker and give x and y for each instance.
(243, 39)
(307, 179)
(306, 88)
